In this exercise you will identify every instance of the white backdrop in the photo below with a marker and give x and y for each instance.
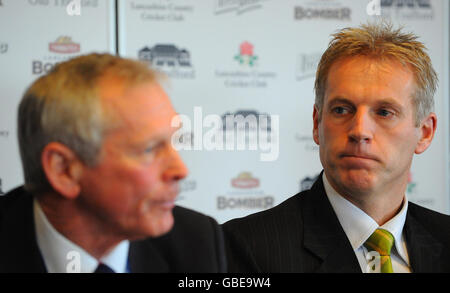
(38, 34)
(227, 57)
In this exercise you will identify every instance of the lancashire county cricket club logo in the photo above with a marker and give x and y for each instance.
(246, 56)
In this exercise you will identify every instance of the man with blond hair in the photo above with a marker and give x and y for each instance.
(101, 178)
(373, 111)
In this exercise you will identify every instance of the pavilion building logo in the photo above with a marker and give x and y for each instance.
(170, 59)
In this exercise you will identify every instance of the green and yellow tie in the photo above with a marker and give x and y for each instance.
(381, 241)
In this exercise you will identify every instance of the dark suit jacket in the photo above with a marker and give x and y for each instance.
(195, 244)
(303, 234)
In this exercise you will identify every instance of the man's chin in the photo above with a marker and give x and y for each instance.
(151, 226)
(358, 181)
(162, 225)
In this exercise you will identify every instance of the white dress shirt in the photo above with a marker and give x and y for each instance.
(63, 256)
(358, 226)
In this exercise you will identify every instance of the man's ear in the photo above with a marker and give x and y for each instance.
(316, 125)
(62, 168)
(427, 129)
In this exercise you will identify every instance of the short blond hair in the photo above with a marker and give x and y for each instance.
(64, 106)
(381, 40)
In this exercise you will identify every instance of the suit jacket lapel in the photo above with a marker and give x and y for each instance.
(323, 234)
(425, 252)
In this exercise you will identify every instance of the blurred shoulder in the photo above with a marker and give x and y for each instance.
(14, 199)
(192, 220)
(195, 243)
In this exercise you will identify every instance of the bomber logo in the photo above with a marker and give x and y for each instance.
(247, 196)
(63, 47)
(327, 13)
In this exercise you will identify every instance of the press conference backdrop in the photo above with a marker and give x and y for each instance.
(224, 58)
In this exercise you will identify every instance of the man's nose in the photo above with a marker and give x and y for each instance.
(176, 169)
(361, 127)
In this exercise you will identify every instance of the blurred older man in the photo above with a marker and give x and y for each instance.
(101, 178)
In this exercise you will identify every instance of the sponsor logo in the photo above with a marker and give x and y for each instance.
(416, 196)
(307, 65)
(188, 185)
(237, 6)
(3, 48)
(4, 133)
(242, 130)
(245, 180)
(411, 187)
(71, 7)
(162, 11)
(245, 195)
(406, 3)
(64, 45)
(323, 10)
(174, 62)
(185, 187)
(407, 9)
(61, 50)
(245, 56)
(246, 120)
(245, 71)
(307, 182)
(307, 141)
(1, 190)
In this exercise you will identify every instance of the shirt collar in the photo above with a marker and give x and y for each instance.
(60, 254)
(358, 226)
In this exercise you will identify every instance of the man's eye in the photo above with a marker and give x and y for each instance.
(153, 148)
(149, 149)
(340, 110)
(384, 113)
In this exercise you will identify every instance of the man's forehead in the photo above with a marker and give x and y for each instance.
(370, 64)
(134, 104)
(115, 91)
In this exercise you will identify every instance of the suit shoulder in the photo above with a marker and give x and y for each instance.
(436, 223)
(429, 217)
(274, 217)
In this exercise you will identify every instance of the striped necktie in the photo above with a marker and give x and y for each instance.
(381, 241)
